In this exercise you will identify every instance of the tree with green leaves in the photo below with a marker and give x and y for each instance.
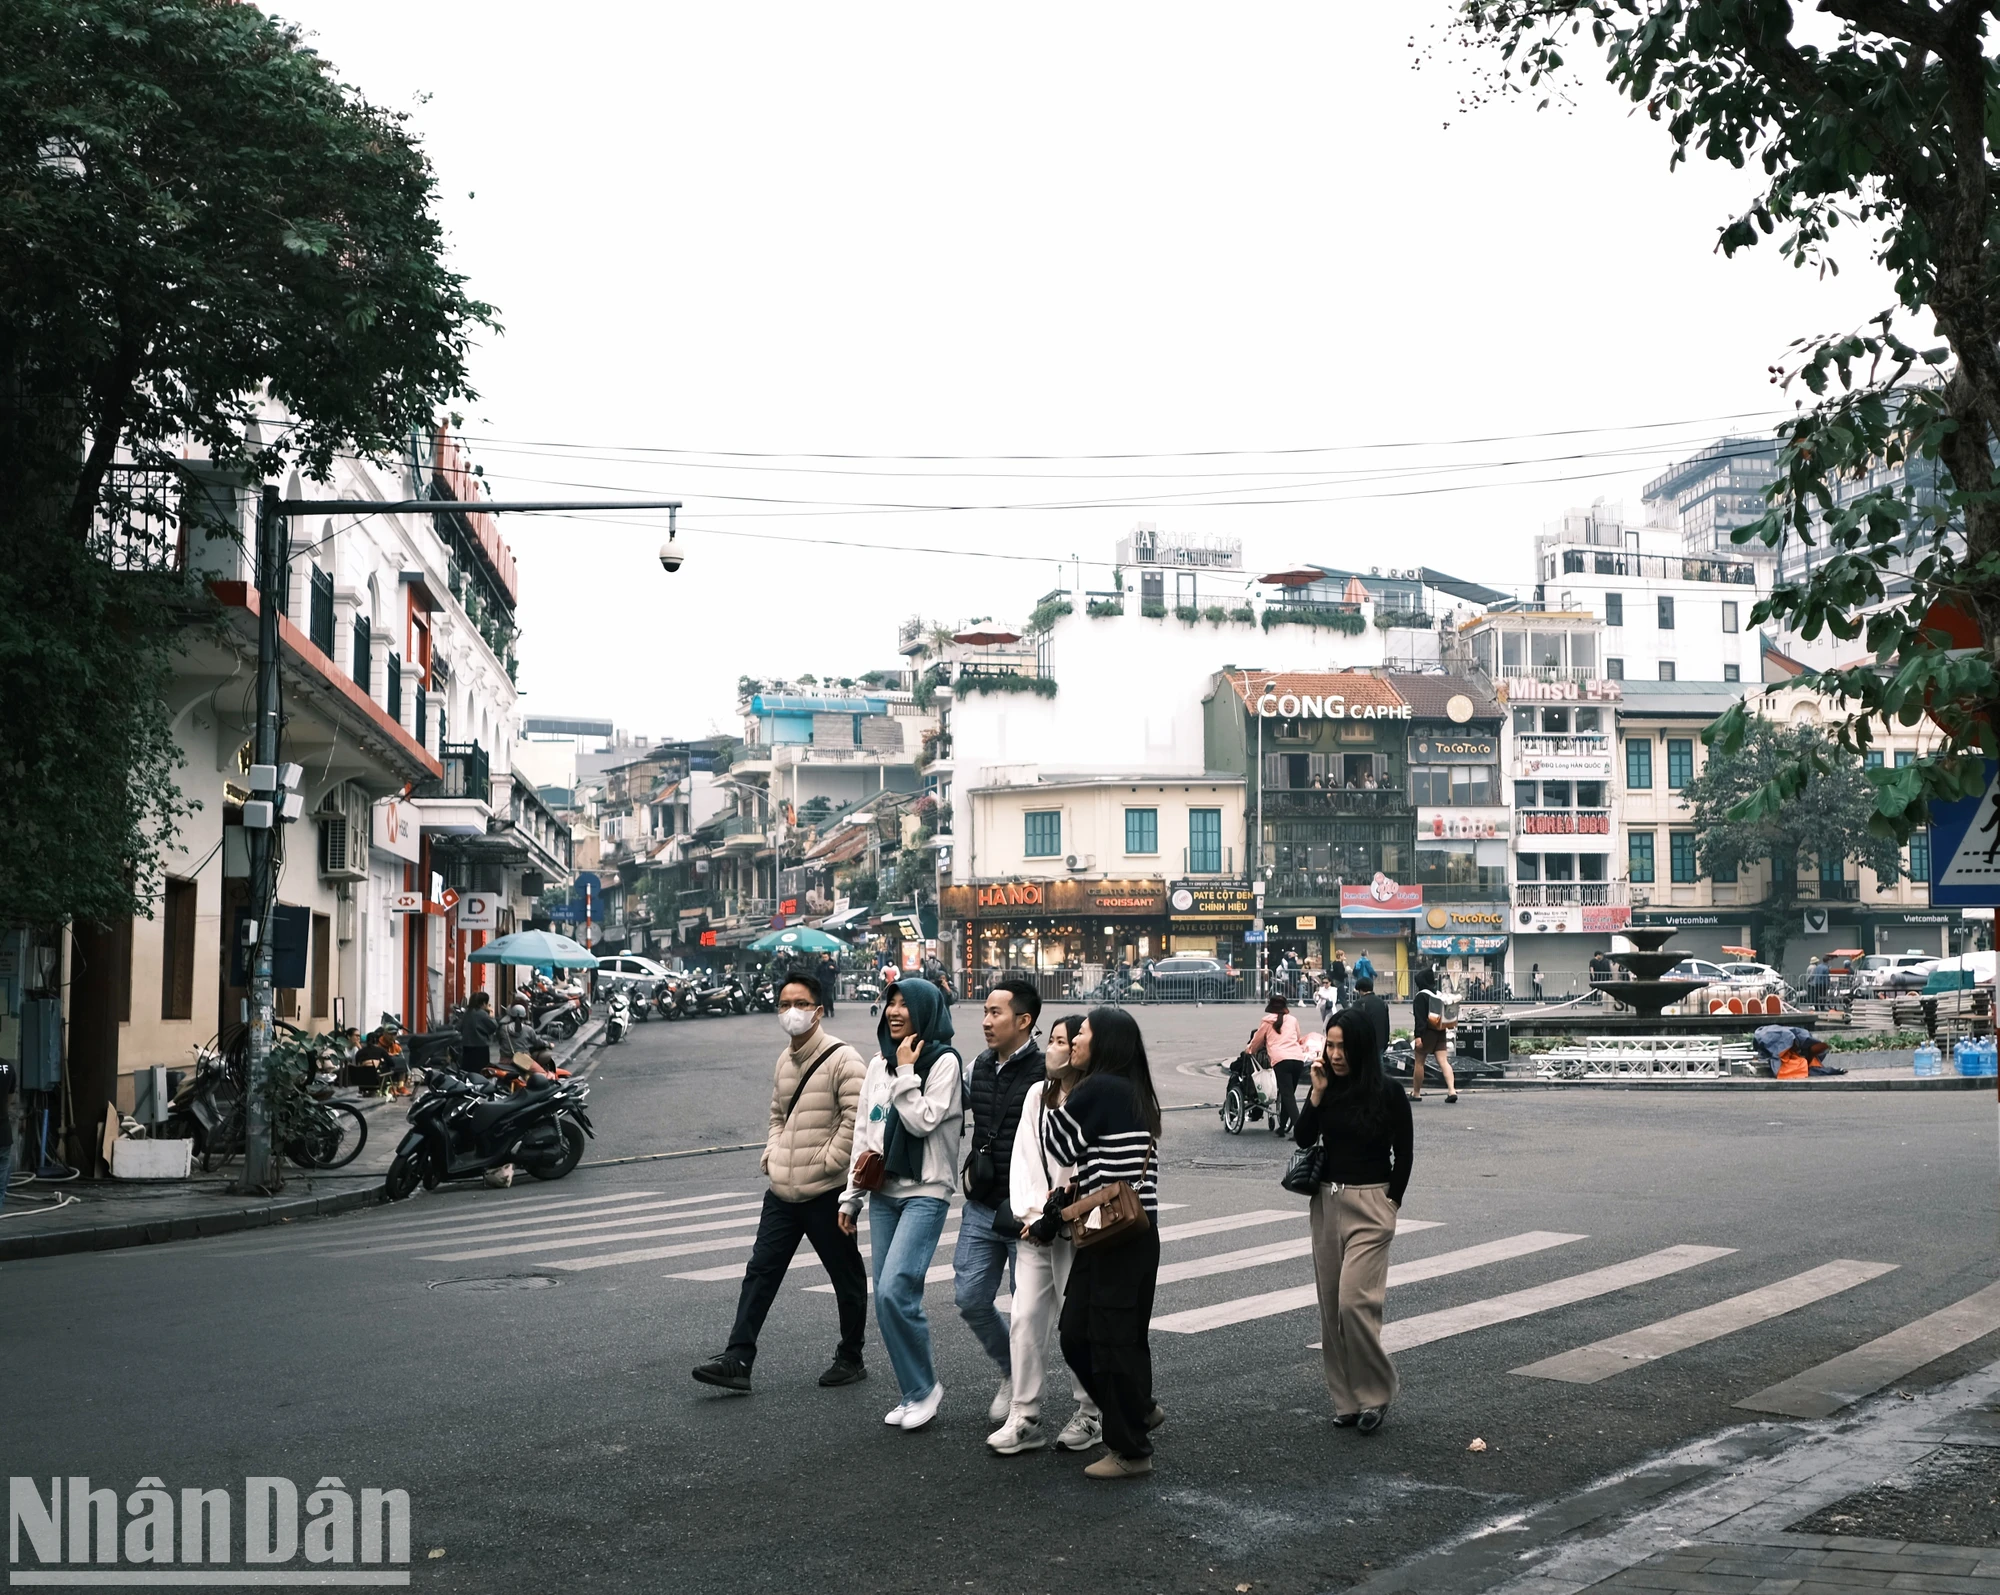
(1880, 119)
(196, 217)
(1829, 816)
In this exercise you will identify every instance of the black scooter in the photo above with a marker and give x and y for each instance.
(459, 1129)
(725, 996)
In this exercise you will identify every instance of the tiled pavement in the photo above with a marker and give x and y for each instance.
(1813, 1564)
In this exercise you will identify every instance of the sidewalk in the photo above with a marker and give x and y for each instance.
(106, 1214)
(1896, 1495)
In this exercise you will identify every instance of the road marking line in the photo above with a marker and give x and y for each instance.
(805, 1258)
(1821, 1391)
(649, 1254)
(560, 1242)
(521, 1209)
(563, 1224)
(1198, 1320)
(1586, 1365)
(1258, 1256)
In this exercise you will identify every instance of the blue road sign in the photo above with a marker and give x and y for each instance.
(1965, 848)
(1253, 935)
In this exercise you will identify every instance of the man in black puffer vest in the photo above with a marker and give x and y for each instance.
(1001, 1076)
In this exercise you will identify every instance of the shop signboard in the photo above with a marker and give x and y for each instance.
(479, 911)
(1462, 917)
(1462, 946)
(1463, 824)
(1455, 747)
(1606, 917)
(1140, 899)
(1381, 898)
(1598, 919)
(393, 828)
(1563, 767)
(1525, 689)
(1210, 900)
(1306, 922)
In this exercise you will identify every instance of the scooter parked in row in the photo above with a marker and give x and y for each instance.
(617, 1017)
(725, 995)
(459, 1130)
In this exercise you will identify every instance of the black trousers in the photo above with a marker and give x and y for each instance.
(780, 1228)
(1291, 1075)
(1107, 1307)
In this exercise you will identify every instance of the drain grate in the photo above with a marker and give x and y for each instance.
(499, 1282)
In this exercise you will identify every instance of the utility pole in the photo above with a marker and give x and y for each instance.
(272, 529)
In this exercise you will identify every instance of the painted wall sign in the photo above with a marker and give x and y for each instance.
(1013, 894)
(1381, 898)
(1436, 824)
(1441, 916)
(1562, 767)
(1306, 922)
(1206, 900)
(1468, 747)
(1563, 822)
(1525, 689)
(1331, 706)
(1126, 899)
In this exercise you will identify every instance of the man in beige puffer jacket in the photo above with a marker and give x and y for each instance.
(814, 1093)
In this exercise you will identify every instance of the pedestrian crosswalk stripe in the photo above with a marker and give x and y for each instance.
(1427, 1327)
(561, 1224)
(650, 1254)
(1822, 1391)
(516, 1210)
(1586, 1365)
(1270, 1303)
(558, 1241)
(1258, 1256)
(805, 1257)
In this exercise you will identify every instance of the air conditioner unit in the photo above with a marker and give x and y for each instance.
(1081, 861)
(343, 834)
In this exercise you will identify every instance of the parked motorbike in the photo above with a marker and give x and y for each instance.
(673, 998)
(391, 1055)
(725, 996)
(617, 1017)
(764, 995)
(459, 1130)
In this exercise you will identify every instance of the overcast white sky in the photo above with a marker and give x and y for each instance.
(1036, 229)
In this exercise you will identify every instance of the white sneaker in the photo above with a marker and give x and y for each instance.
(919, 1413)
(894, 1416)
(1080, 1433)
(1019, 1433)
(1002, 1403)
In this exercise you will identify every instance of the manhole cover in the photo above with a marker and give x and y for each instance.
(505, 1282)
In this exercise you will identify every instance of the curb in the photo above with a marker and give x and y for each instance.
(187, 1227)
(1796, 1087)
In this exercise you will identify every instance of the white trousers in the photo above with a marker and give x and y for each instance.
(1041, 1273)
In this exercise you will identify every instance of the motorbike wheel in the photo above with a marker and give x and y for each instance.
(1233, 1114)
(403, 1176)
(572, 1154)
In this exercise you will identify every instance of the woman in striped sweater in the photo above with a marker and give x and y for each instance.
(1109, 1129)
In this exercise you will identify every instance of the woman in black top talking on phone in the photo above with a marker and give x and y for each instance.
(1362, 1123)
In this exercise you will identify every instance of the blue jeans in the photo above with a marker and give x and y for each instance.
(903, 1236)
(979, 1264)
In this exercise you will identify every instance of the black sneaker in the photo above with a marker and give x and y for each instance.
(725, 1373)
(1345, 1420)
(1370, 1419)
(842, 1372)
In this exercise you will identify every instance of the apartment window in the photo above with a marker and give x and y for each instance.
(1666, 670)
(1732, 672)
(422, 731)
(1589, 721)
(1905, 758)
(1524, 722)
(1590, 794)
(1832, 869)
(1559, 866)
(1142, 830)
(1666, 614)
(1614, 609)
(322, 966)
(1555, 794)
(1044, 834)
(364, 657)
(1639, 764)
(1920, 855)
(1639, 857)
(1555, 722)
(1526, 794)
(1680, 762)
(177, 962)
(1614, 669)
(1872, 759)
(1527, 866)
(1729, 615)
(1722, 874)
(1590, 866)
(1681, 857)
(1546, 649)
(1205, 841)
(392, 693)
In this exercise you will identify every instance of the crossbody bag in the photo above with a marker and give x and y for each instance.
(1119, 1210)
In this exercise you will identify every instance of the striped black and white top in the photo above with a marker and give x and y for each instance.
(1102, 1132)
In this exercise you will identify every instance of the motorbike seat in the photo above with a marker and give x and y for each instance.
(484, 1115)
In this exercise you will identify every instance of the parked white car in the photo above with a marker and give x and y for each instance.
(1759, 978)
(1881, 973)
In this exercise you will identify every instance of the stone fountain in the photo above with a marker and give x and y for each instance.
(1644, 991)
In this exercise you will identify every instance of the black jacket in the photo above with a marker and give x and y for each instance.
(1377, 1010)
(996, 1095)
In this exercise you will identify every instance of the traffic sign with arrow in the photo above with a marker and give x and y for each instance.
(1965, 848)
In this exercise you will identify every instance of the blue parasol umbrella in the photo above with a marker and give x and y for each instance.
(537, 947)
(802, 939)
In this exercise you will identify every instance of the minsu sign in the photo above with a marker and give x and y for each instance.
(1013, 894)
(1331, 706)
(352, 1537)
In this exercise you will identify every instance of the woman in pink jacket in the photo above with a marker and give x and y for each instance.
(1279, 1038)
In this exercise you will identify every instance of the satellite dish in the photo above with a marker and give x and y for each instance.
(1459, 708)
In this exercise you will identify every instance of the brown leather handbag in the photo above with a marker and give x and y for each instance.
(1118, 1208)
(869, 1169)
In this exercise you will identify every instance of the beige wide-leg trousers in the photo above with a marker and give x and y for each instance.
(1351, 1231)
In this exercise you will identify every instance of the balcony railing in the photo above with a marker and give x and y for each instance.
(465, 774)
(1415, 619)
(138, 521)
(1568, 894)
(751, 908)
(1543, 745)
(1308, 886)
(1659, 567)
(1207, 861)
(1578, 673)
(1565, 822)
(1282, 803)
(1830, 891)
(1465, 892)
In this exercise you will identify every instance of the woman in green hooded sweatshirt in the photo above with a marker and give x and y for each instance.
(911, 1113)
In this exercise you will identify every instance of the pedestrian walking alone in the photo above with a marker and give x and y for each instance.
(829, 983)
(478, 1032)
(1372, 1008)
(815, 1091)
(905, 1166)
(1336, 973)
(1109, 1127)
(1364, 968)
(1363, 1127)
(1535, 980)
(1278, 1038)
(1430, 1036)
(1043, 1263)
(995, 1096)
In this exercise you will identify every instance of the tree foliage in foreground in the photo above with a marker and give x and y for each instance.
(1828, 817)
(194, 213)
(1877, 116)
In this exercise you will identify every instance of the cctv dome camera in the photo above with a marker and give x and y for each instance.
(670, 557)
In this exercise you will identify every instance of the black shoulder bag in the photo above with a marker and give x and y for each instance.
(811, 1069)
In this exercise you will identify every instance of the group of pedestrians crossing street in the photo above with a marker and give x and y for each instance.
(1046, 1142)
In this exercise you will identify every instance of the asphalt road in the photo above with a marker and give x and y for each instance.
(543, 1421)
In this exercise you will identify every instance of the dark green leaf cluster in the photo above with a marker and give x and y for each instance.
(1040, 686)
(1332, 617)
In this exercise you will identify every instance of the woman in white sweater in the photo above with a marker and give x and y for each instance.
(1041, 1264)
(905, 1162)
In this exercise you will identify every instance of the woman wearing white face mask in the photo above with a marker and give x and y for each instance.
(815, 1092)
